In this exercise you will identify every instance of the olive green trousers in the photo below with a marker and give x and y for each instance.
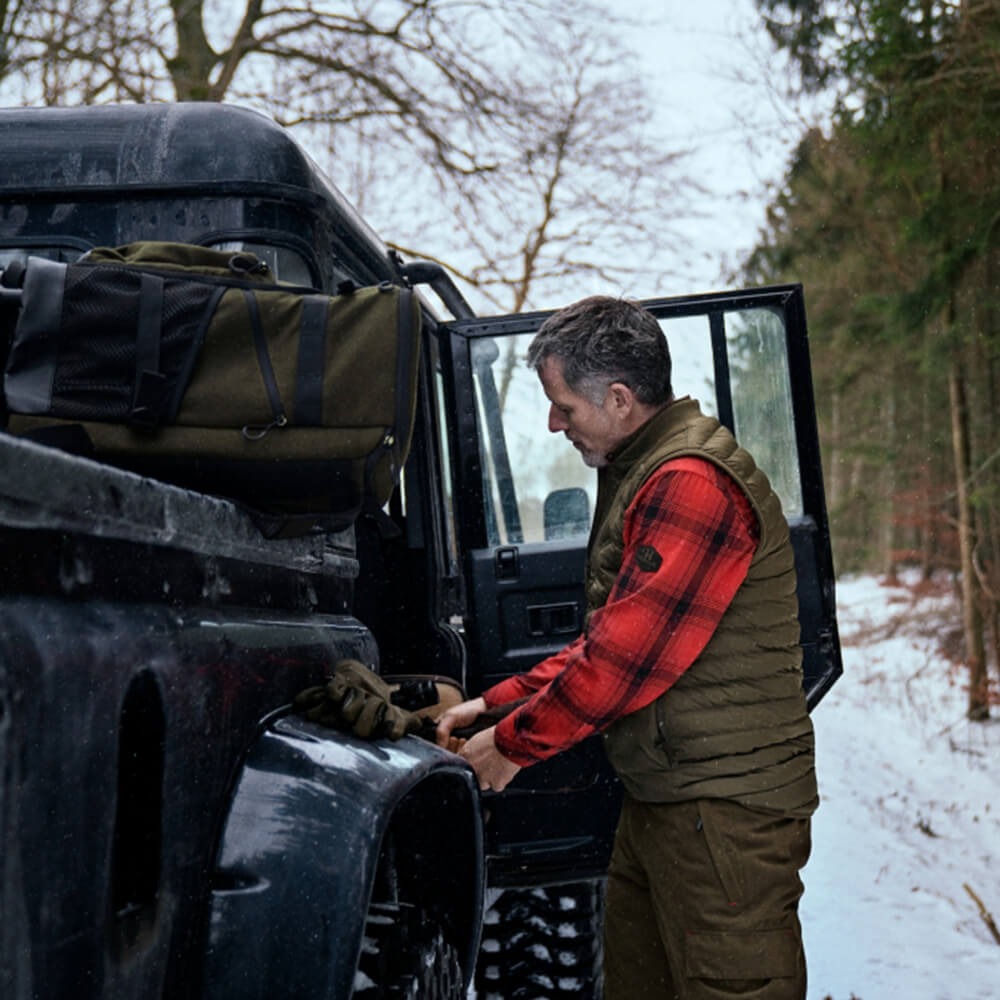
(702, 903)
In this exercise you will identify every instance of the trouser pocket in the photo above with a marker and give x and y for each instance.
(723, 840)
(753, 965)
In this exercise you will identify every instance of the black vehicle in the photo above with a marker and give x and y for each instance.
(170, 828)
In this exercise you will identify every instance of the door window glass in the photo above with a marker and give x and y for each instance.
(762, 399)
(760, 387)
(692, 369)
(536, 486)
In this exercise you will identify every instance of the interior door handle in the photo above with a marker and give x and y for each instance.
(507, 564)
(554, 619)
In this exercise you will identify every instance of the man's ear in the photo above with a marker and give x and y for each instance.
(622, 399)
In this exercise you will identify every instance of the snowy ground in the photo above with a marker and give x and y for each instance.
(909, 815)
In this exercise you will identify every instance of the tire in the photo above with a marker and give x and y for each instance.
(543, 944)
(405, 956)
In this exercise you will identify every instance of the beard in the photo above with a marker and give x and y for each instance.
(593, 459)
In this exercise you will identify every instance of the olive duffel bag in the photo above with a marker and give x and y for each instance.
(194, 366)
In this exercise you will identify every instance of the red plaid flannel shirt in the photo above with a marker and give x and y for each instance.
(655, 622)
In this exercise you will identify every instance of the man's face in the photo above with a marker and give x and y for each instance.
(593, 430)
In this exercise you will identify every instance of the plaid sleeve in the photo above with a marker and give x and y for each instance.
(689, 536)
(522, 685)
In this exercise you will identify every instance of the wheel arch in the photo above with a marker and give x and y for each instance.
(312, 816)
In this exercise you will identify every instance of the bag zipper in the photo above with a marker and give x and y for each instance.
(255, 432)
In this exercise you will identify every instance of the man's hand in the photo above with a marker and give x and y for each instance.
(493, 770)
(457, 717)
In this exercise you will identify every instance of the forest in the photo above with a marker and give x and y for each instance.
(889, 217)
(888, 214)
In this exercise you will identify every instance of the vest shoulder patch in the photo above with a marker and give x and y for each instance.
(648, 558)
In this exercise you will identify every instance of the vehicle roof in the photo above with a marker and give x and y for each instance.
(147, 145)
(198, 150)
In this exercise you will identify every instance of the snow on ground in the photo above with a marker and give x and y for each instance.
(909, 812)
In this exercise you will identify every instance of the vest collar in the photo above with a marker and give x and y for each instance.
(672, 417)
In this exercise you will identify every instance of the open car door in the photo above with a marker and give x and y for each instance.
(523, 504)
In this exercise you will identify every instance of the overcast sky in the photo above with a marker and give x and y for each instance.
(718, 84)
(720, 89)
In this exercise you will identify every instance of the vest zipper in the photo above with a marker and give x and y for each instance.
(661, 741)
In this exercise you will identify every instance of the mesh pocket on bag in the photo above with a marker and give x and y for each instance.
(96, 367)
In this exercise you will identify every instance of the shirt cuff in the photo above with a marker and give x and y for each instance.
(505, 738)
(506, 691)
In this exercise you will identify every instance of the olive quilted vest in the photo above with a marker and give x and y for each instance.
(735, 725)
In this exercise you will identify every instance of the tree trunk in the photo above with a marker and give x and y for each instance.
(835, 464)
(926, 518)
(971, 617)
(888, 525)
(191, 68)
(989, 486)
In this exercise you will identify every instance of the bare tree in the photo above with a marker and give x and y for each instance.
(510, 140)
(405, 63)
(584, 196)
(5, 13)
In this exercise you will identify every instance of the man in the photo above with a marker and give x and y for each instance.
(689, 665)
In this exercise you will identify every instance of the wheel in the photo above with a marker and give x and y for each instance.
(405, 956)
(543, 944)
(405, 953)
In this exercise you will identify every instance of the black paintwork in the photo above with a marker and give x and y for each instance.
(151, 639)
(297, 777)
(195, 173)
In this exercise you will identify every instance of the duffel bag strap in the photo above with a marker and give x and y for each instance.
(148, 396)
(156, 396)
(311, 362)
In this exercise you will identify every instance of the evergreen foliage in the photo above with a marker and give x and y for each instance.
(890, 220)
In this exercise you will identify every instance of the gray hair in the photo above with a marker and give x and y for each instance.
(601, 340)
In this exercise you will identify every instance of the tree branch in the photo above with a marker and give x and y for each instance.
(987, 917)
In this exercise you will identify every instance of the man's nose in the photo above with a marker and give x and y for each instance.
(557, 422)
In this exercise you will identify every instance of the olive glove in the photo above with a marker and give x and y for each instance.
(358, 701)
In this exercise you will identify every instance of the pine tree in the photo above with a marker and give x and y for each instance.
(919, 109)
